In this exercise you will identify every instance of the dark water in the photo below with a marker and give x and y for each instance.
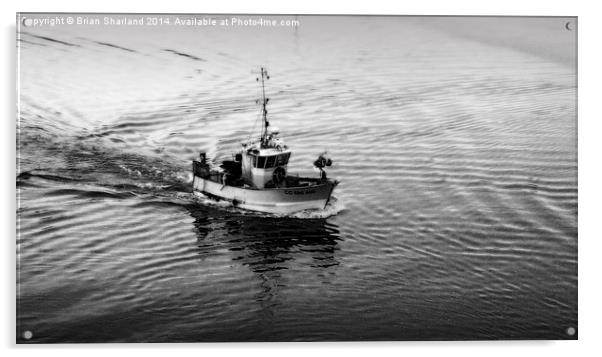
(456, 216)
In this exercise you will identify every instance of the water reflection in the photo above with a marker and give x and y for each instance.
(269, 246)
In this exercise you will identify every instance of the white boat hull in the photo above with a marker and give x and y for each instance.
(271, 200)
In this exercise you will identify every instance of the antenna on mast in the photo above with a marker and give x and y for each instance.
(266, 123)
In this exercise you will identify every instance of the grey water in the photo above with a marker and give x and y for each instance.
(455, 141)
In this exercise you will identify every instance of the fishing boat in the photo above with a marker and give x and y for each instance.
(257, 177)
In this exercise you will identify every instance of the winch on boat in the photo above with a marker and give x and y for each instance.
(258, 179)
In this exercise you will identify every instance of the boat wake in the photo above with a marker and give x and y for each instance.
(333, 208)
(126, 174)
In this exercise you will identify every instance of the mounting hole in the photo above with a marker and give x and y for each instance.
(570, 331)
(27, 335)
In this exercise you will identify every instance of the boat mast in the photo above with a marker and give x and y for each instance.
(265, 124)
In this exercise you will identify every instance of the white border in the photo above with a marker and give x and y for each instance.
(589, 178)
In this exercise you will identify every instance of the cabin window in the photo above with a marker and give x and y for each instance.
(282, 160)
(260, 162)
(270, 162)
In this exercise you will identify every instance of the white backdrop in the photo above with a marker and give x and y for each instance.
(589, 178)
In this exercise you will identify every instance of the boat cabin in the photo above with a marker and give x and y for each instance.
(263, 167)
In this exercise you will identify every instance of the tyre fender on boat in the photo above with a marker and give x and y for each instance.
(279, 175)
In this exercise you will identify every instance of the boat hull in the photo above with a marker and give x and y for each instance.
(272, 200)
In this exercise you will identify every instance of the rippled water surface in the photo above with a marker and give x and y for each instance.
(454, 141)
